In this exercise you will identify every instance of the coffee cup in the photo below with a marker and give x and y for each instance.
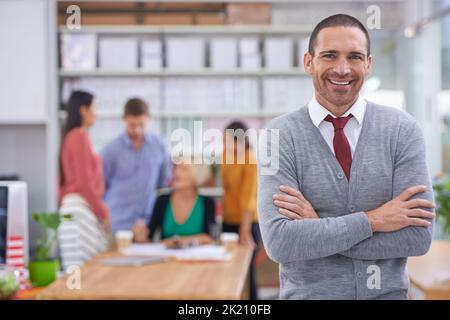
(124, 238)
(229, 240)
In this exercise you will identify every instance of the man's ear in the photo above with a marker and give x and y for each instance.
(369, 64)
(307, 62)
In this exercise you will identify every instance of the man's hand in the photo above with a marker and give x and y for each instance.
(401, 212)
(293, 204)
(141, 232)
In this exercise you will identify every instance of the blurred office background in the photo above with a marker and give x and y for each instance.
(213, 61)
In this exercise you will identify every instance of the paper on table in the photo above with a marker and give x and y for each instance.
(206, 252)
(133, 261)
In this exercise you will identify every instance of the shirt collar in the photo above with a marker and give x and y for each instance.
(318, 113)
(128, 141)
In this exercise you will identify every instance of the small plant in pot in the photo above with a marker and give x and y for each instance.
(44, 268)
(442, 196)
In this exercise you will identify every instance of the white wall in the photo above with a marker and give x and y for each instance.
(27, 99)
(23, 151)
(23, 60)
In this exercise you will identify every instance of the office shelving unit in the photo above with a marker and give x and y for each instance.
(163, 114)
(294, 72)
(194, 29)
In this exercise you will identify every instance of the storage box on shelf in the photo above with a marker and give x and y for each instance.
(168, 19)
(146, 13)
(223, 53)
(118, 53)
(249, 13)
(151, 53)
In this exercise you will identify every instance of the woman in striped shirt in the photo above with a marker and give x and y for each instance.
(81, 184)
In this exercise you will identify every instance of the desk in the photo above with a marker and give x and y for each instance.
(430, 274)
(175, 280)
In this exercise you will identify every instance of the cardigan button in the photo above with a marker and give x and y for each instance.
(340, 176)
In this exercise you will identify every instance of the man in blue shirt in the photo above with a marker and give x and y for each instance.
(135, 165)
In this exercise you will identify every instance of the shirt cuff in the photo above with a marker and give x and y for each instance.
(358, 227)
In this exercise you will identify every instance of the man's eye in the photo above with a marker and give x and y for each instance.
(356, 57)
(328, 56)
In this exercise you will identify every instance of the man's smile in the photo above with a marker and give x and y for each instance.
(340, 85)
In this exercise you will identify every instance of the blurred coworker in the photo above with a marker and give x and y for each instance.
(81, 185)
(135, 164)
(182, 218)
(239, 196)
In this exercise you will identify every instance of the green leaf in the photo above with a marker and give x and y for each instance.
(49, 221)
(442, 197)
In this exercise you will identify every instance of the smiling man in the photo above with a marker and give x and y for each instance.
(352, 197)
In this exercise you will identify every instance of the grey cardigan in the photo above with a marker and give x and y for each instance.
(338, 256)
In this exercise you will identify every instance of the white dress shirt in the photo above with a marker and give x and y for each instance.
(352, 129)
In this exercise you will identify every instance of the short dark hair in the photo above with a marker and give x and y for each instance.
(337, 20)
(135, 107)
(239, 125)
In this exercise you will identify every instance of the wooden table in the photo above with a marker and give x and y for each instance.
(430, 274)
(175, 280)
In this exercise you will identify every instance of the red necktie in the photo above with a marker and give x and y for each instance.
(340, 143)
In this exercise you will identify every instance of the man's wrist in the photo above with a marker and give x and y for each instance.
(374, 222)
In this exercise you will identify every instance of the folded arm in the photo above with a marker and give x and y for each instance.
(289, 240)
(410, 169)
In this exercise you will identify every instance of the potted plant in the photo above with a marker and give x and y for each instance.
(442, 196)
(44, 268)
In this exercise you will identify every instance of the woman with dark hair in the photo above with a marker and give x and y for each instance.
(81, 185)
(239, 178)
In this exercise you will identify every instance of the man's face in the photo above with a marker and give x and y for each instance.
(339, 65)
(136, 126)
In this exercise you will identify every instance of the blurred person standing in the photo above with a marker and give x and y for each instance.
(135, 164)
(81, 185)
(239, 192)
